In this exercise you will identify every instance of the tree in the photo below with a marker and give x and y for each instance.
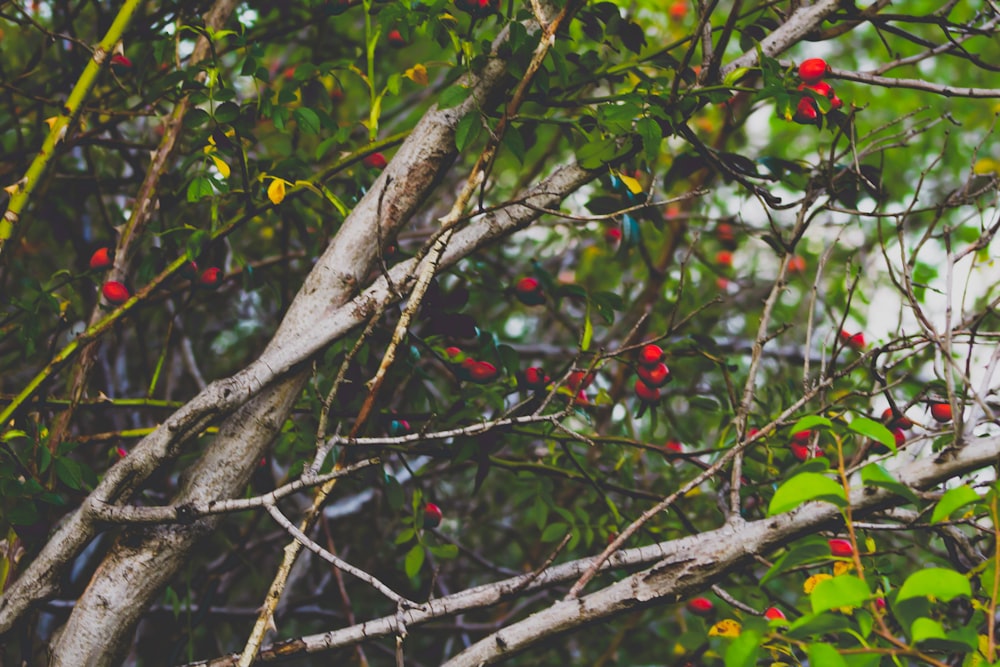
(440, 332)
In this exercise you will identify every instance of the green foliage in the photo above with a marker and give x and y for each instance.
(875, 199)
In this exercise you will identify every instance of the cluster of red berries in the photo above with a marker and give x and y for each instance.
(114, 292)
(117, 293)
(529, 292)
(480, 372)
(811, 72)
(578, 381)
(652, 372)
(800, 446)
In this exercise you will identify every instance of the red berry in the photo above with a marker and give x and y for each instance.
(880, 603)
(579, 380)
(101, 259)
(646, 393)
(654, 376)
(581, 398)
(941, 412)
(802, 452)
(674, 446)
(529, 292)
(700, 606)
(189, 270)
(612, 235)
(120, 64)
(210, 277)
(896, 421)
(115, 292)
(650, 355)
(802, 437)
(724, 258)
(821, 88)
(841, 548)
(899, 436)
(432, 515)
(813, 69)
(773, 614)
(452, 353)
(396, 39)
(374, 161)
(678, 10)
(121, 452)
(856, 341)
(836, 102)
(535, 378)
(725, 235)
(796, 264)
(482, 372)
(806, 113)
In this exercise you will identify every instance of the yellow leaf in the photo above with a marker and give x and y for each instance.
(223, 168)
(51, 121)
(985, 166)
(633, 185)
(727, 627)
(276, 191)
(842, 567)
(417, 74)
(813, 581)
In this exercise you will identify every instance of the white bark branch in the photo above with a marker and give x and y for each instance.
(683, 567)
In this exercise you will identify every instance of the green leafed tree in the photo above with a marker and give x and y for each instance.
(420, 332)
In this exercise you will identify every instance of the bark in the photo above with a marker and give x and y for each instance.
(321, 312)
(142, 560)
(679, 569)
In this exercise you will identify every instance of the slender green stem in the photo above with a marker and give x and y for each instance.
(64, 121)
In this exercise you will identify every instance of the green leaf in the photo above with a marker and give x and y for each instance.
(200, 187)
(843, 591)
(514, 142)
(937, 582)
(826, 655)
(445, 551)
(815, 625)
(588, 330)
(308, 120)
(952, 500)
(405, 536)
(804, 487)
(467, 130)
(554, 531)
(414, 560)
(926, 628)
(452, 96)
(69, 473)
(195, 243)
(730, 80)
(743, 650)
(875, 475)
(809, 422)
(652, 136)
(595, 153)
(874, 430)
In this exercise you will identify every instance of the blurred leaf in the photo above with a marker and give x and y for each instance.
(952, 500)
(805, 487)
(936, 582)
